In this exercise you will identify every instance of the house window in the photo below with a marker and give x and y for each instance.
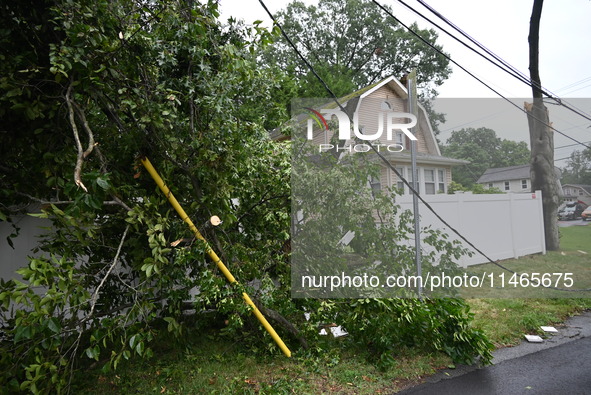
(490, 185)
(400, 139)
(441, 181)
(523, 184)
(580, 192)
(399, 183)
(429, 181)
(507, 187)
(376, 185)
(412, 179)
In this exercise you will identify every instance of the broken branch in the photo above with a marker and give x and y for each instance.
(82, 154)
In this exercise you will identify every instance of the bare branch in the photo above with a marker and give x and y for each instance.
(119, 202)
(115, 202)
(80, 158)
(95, 295)
(91, 142)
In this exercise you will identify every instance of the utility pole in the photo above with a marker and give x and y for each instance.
(411, 82)
(543, 175)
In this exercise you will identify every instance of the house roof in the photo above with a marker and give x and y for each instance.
(352, 102)
(508, 173)
(504, 174)
(586, 188)
(352, 98)
(424, 159)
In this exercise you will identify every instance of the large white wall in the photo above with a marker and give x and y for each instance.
(501, 225)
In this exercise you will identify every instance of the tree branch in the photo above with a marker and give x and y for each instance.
(94, 297)
(281, 320)
(82, 154)
(115, 202)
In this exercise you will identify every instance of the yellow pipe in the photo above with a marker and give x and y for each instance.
(146, 162)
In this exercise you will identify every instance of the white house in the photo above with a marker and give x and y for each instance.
(509, 179)
(577, 192)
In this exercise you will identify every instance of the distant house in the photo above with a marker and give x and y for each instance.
(391, 95)
(509, 179)
(577, 192)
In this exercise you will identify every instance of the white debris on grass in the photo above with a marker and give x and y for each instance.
(534, 339)
(549, 329)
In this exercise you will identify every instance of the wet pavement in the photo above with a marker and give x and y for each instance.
(559, 365)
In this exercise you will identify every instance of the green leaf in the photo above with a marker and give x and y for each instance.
(101, 182)
(53, 325)
(140, 348)
(132, 341)
(93, 352)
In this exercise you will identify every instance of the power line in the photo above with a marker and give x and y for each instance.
(572, 85)
(556, 160)
(387, 11)
(502, 65)
(513, 70)
(570, 145)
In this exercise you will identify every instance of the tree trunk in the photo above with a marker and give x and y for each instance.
(543, 175)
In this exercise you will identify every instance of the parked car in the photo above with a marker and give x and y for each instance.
(572, 210)
(586, 214)
(561, 211)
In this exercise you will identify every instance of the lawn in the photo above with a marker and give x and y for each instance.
(557, 274)
(208, 363)
(505, 320)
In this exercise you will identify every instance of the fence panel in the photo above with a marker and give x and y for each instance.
(501, 225)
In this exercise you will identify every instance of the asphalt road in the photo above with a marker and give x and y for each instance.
(564, 369)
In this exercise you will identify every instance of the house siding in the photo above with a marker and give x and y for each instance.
(514, 186)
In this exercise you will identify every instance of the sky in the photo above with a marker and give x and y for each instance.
(502, 26)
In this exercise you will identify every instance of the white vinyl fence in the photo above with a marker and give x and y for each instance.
(501, 225)
(12, 259)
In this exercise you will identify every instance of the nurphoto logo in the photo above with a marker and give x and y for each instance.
(391, 119)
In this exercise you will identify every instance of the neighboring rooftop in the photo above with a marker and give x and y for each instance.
(586, 188)
(508, 173)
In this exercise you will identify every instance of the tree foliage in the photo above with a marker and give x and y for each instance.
(484, 150)
(353, 43)
(88, 87)
(578, 168)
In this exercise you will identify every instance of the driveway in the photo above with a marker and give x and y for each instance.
(576, 222)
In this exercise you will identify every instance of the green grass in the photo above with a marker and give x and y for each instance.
(218, 367)
(505, 321)
(574, 257)
(576, 238)
(207, 363)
